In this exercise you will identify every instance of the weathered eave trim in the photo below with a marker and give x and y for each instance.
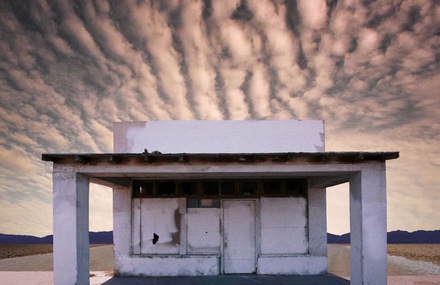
(127, 158)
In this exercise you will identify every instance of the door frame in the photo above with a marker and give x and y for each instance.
(257, 232)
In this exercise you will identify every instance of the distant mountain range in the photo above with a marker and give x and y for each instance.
(94, 238)
(429, 237)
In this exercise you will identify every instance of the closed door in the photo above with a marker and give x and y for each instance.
(239, 251)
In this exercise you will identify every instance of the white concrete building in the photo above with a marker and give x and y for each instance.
(220, 197)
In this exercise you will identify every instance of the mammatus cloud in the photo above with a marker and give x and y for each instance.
(69, 69)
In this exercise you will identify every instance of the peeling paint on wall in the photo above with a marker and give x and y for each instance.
(155, 238)
(283, 238)
(160, 226)
(283, 227)
(263, 136)
(124, 135)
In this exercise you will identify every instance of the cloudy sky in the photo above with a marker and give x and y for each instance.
(69, 69)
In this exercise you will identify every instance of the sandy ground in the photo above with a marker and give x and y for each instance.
(17, 250)
(37, 270)
(420, 252)
(339, 263)
(101, 259)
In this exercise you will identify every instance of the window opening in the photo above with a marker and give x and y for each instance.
(295, 187)
(248, 188)
(167, 188)
(272, 188)
(202, 203)
(216, 188)
(188, 188)
(143, 189)
(210, 188)
(227, 188)
(192, 203)
(209, 203)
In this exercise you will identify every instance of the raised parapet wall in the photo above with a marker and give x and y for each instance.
(219, 136)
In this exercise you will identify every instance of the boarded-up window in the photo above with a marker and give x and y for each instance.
(283, 225)
(160, 222)
(203, 230)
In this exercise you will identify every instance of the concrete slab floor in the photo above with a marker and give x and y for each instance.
(327, 279)
(105, 277)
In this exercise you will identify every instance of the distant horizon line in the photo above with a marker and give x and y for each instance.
(421, 230)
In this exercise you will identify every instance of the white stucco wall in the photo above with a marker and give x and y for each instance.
(301, 265)
(219, 136)
(200, 265)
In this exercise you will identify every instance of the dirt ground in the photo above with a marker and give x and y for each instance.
(401, 271)
(418, 252)
(338, 256)
(414, 259)
(18, 250)
(101, 259)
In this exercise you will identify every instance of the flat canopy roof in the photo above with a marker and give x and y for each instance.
(309, 157)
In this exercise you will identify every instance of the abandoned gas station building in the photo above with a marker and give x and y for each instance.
(198, 198)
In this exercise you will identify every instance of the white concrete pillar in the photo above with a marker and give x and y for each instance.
(71, 228)
(317, 222)
(368, 225)
(122, 230)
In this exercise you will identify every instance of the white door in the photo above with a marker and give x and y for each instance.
(239, 251)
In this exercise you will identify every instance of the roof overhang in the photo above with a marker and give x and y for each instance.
(158, 158)
(323, 169)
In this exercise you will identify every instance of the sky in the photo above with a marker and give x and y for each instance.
(69, 69)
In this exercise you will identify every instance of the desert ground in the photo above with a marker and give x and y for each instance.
(417, 252)
(407, 264)
(403, 259)
(18, 250)
(101, 258)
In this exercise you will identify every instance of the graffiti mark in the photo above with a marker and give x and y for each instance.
(155, 238)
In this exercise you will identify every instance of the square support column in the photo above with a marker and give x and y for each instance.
(71, 228)
(317, 222)
(368, 225)
(123, 231)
